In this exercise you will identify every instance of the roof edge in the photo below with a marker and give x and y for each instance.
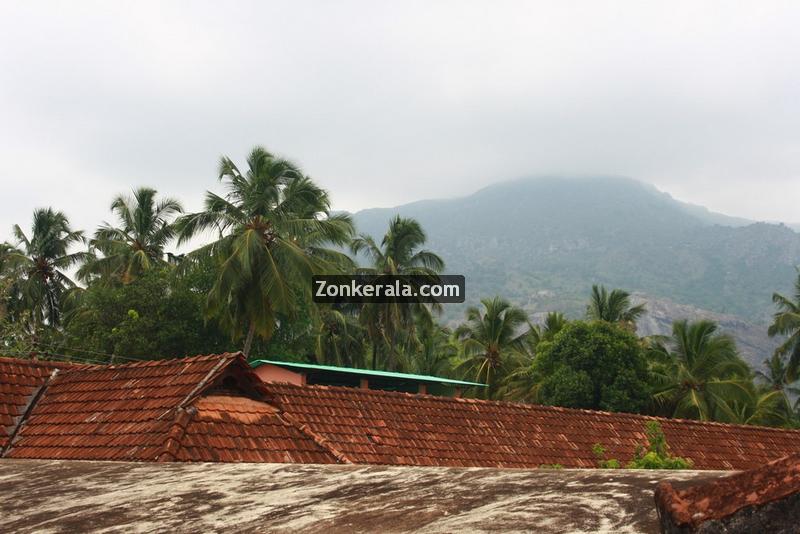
(367, 372)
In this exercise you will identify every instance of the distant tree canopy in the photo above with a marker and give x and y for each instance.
(594, 365)
(157, 315)
(138, 243)
(614, 307)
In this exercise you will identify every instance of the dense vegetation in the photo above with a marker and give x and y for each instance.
(248, 288)
(595, 365)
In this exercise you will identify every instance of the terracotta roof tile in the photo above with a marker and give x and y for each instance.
(114, 412)
(369, 426)
(206, 408)
(161, 411)
(19, 380)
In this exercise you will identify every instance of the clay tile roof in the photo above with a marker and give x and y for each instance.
(19, 381)
(214, 408)
(381, 427)
(239, 429)
(114, 412)
(746, 492)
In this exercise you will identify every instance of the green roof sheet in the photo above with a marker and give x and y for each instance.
(367, 372)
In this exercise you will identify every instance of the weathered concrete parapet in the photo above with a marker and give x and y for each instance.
(766, 499)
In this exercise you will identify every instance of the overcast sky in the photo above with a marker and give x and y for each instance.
(384, 104)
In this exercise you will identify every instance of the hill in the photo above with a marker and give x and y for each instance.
(542, 242)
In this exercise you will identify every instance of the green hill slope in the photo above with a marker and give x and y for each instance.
(543, 242)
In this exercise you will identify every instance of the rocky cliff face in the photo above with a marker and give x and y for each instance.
(752, 340)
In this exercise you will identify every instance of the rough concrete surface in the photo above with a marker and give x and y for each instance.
(73, 496)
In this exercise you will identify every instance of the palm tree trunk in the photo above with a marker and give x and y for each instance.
(248, 342)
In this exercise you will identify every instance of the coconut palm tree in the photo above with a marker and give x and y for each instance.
(40, 263)
(400, 250)
(7, 279)
(776, 375)
(436, 351)
(271, 233)
(339, 338)
(760, 406)
(391, 326)
(613, 307)
(521, 384)
(552, 325)
(137, 244)
(786, 322)
(492, 342)
(697, 371)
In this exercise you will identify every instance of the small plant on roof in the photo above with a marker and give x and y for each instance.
(551, 466)
(603, 463)
(655, 456)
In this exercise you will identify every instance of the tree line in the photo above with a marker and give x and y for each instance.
(119, 294)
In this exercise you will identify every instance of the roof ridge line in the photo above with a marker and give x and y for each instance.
(32, 402)
(174, 440)
(200, 385)
(316, 438)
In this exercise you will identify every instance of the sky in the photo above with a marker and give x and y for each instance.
(385, 103)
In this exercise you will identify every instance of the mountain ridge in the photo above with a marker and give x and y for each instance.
(542, 242)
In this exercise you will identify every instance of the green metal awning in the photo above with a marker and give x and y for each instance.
(366, 373)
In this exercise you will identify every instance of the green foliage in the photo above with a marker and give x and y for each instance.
(390, 327)
(137, 244)
(655, 455)
(698, 373)
(614, 307)
(492, 345)
(551, 466)
(38, 267)
(436, 352)
(602, 462)
(157, 315)
(539, 333)
(339, 338)
(595, 365)
(566, 386)
(786, 322)
(521, 383)
(294, 336)
(757, 406)
(273, 226)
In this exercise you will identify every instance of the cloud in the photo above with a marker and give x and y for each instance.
(388, 103)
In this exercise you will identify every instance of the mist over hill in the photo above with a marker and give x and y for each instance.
(542, 243)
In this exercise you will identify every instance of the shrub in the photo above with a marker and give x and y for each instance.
(603, 463)
(655, 456)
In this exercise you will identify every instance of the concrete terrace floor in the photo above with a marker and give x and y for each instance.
(77, 496)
